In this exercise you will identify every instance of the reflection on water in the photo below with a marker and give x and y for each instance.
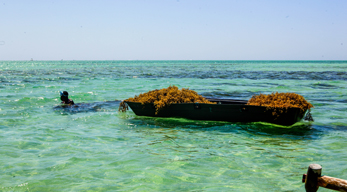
(300, 130)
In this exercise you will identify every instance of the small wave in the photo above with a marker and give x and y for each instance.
(324, 86)
(172, 72)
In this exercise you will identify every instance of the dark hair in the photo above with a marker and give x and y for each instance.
(64, 96)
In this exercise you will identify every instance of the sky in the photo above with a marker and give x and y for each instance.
(173, 30)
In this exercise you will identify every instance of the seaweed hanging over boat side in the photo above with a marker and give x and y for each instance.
(165, 97)
(123, 106)
(280, 102)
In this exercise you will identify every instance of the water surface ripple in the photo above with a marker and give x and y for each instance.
(46, 147)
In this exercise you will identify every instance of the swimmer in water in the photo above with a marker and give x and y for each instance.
(64, 96)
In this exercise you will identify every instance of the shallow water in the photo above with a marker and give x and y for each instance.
(44, 147)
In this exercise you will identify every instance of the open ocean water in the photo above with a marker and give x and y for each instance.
(96, 148)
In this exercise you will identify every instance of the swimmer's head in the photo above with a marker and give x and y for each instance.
(64, 96)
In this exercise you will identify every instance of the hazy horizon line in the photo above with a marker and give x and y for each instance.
(180, 60)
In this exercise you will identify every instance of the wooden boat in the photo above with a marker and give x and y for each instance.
(224, 110)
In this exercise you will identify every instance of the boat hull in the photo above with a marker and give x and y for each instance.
(224, 111)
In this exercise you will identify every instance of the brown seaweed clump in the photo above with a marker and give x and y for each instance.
(164, 97)
(280, 102)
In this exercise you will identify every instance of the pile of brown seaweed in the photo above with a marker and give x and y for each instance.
(164, 97)
(280, 102)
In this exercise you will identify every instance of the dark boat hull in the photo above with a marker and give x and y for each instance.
(225, 110)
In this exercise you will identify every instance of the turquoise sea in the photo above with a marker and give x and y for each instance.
(44, 147)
